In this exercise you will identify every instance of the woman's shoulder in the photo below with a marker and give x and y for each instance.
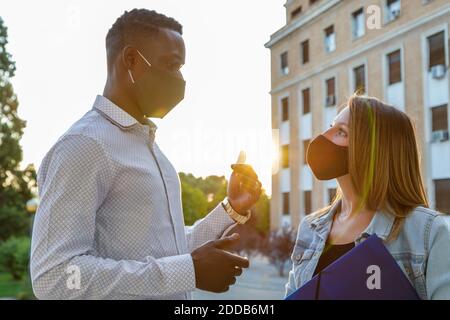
(423, 224)
(423, 217)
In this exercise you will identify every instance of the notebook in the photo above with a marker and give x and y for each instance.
(367, 272)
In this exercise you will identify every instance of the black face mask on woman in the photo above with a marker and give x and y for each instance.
(157, 91)
(326, 159)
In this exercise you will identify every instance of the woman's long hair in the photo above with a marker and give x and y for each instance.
(384, 161)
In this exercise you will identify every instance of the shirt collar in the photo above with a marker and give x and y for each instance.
(322, 224)
(320, 221)
(381, 224)
(120, 117)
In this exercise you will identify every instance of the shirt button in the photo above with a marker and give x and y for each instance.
(298, 257)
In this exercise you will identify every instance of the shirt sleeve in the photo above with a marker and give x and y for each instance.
(211, 227)
(73, 181)
(438, 265)
(290, 285)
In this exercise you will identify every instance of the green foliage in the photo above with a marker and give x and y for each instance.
(219, 194)
(20, 289)
(261, 211)
(200, 195)
(15, 256)
(208, 185)
(13, 222)
(194, 203)
(16, 186)
(11, 126)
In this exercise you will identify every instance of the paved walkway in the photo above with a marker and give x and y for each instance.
(259, 282)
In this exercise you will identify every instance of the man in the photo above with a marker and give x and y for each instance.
(110, 222)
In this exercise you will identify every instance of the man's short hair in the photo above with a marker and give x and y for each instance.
(136, 23)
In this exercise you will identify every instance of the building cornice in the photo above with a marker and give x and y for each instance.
(288, 29)
(442, 11)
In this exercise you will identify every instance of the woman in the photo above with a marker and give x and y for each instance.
(371, 150)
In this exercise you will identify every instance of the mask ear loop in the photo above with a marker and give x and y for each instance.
(144, 58)
(131, 76)
(129, 71)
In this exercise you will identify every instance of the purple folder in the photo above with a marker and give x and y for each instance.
(353, 277)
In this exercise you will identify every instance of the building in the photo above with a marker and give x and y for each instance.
(396, 50)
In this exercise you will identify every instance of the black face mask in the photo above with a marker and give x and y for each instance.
(158, 91)
(326, 159)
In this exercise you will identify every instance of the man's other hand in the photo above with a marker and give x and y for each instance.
(216, 269)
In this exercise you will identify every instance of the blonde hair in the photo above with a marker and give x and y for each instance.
(384, 161)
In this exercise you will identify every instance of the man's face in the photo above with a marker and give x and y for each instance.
(164, 50)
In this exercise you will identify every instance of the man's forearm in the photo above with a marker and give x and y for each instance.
(209, 228)
(111, 279)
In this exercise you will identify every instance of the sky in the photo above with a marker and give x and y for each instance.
(58, 47)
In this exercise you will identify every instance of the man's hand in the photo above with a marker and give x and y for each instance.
(244, 188)
(215, 268)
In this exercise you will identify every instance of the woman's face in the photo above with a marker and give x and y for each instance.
(338, 133)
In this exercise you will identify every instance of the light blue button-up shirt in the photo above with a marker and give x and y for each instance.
(110, 221)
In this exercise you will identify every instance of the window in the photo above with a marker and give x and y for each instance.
(305, 51)
(307, 202)
(331, 92)
(358, 23)
(285, 156)
(436, 45)
(439, 118)
(439, 124)
(285, 109)
(442, 195)
(331, 194)
(392, 9)
(330, 39)
(285, 205)
(359, 77)
(284, 63)
(306, 101)
(305, 149)
(296, 12)
(395, 68)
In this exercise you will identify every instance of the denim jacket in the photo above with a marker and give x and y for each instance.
(422, 249)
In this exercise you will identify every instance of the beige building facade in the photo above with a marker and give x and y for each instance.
(396, 50)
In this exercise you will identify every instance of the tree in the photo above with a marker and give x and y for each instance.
(15, 256)
(279, 247)
(201, 195)
(16, 185)
(194, 203)
(261, 211)
(213, 187)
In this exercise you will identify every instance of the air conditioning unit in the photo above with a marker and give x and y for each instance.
(330, 42)
(395, 14)
(330, 101)
(440, 136)
(438, 71)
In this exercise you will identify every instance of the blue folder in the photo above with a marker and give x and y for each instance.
(347, 277)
